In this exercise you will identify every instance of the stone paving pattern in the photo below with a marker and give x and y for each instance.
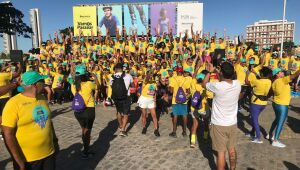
(139, 151)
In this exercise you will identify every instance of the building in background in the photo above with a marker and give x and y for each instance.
(267, 33)
(9, 43)
(35, 21)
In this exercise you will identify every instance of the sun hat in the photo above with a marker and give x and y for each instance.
(200, 76)
(276, 71)
(31, 77)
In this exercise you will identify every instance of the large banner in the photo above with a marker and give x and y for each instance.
(110, 19)
(162, 18)
(85, 19)
(188, 14)
(136, 18)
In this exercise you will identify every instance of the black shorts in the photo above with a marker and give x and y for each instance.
(47, 163)
(86, 118)
(2, 104)
(123, 106)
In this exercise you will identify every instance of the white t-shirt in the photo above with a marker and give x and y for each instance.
(127, 80)
(225, 102)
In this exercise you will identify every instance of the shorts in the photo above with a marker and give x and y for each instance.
(196, 114)
(123, 106)
(146, 103)
(86, 118)
(2, 104)
(47, 163)
(179, 109)
(223, 137)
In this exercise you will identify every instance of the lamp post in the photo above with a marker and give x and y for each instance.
(282, 34)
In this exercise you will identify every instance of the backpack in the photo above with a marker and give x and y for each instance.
(180, 95)
(119, 90)
(78, 104)
(196, 101)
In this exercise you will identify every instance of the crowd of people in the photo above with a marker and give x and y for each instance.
(197, 76)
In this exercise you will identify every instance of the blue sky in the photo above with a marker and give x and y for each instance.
(234, 15)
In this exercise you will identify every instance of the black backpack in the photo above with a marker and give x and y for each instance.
(119, 90)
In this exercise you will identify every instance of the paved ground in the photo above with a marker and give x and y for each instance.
(139, 151)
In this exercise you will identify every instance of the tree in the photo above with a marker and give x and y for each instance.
(287, 46)
(65, 31)
(11, 21)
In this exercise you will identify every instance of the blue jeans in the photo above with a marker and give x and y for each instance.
(281, 112)
(255, 111)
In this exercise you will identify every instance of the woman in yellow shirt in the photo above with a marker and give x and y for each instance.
(261, 88)
(198, 107)
(147, 100)
(85, 88)
(281, 100)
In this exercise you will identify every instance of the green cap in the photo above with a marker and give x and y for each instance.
(251, 62)
(44, 62)
(224, 59)
(64, 63)
(125, 65)
(50, 65)
(189, 69)
(31, 77)
(200, 76)
(276, 71)
(80, 70)
(169, 69)
(243, 60)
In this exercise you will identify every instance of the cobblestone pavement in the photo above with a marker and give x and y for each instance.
(139, 151)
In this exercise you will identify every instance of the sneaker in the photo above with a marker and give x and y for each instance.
(156, 133)
(184, 134)
(257, 141)
(173, 134)
(278, 144)
(268, 137)
(1, 138)
(123, 134)
(249, 135)
(193, 145)
(144, 131)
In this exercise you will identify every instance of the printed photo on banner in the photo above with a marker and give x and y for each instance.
(85, 19)
(188, 14)
(162, 18)
(110, 19)
(136, 18)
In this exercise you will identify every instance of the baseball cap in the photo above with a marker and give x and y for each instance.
(189, 69)
(251, 62)
(179, 69)
(243, 60)
(276, 71)
(200, 76)
(31, 77)
(80, 70)
(169, 69)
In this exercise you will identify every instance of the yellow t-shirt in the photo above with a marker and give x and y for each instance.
(149, 90)
(31, 117)
(197, 87)
(295, 66)
(4, 80)
(260, 87)
(241, 73)
(284, 62)
(282, 90)
(267, 59)
(86, 92)
(175, 83)
(57, 80)
(273, 63)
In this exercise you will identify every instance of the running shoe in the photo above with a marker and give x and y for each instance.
(156, 133)
(123, 134)
(278, 144)
(1, 137)
(249, 135)
(173, 134)
(268, 137)
(257, 141)
(193, 145)
(144, 131)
